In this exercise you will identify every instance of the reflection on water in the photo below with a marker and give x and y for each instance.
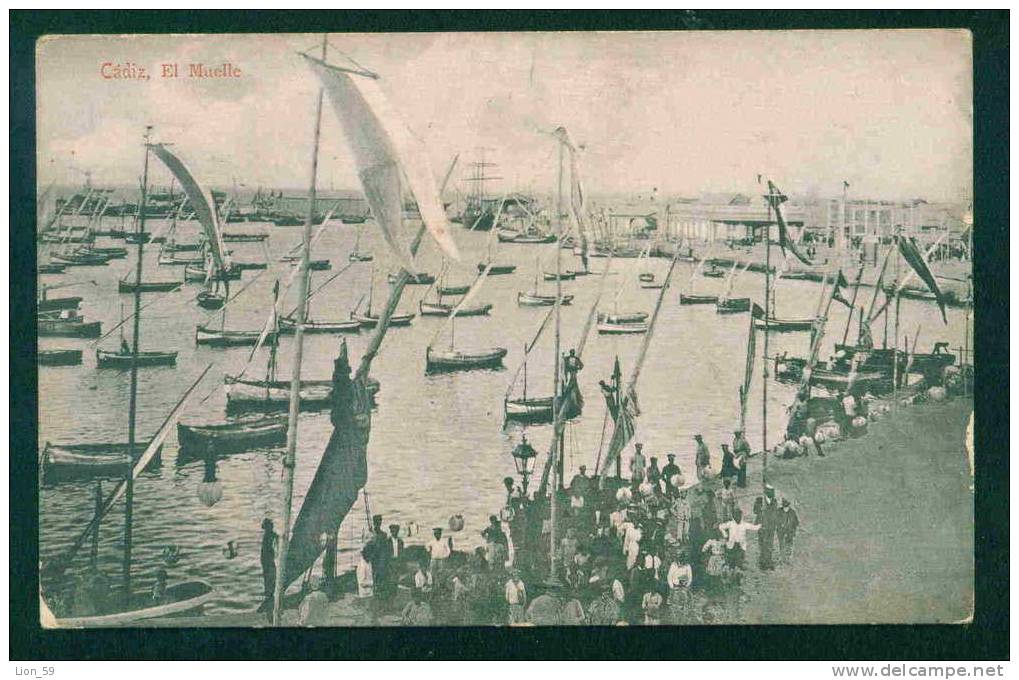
(438, 446)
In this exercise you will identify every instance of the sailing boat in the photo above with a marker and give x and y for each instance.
(453, 359)
(126, 358)
(773, 323)
(477, 213)
(288, 323)
(221, 337)
(440, 308)
(356, 255)
(493, 268)
(369, 320)
(647, 277)
(534, 297)
(691, 298)
(731, 305)
(622, 323)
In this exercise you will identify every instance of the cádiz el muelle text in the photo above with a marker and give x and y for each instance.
(109, 70)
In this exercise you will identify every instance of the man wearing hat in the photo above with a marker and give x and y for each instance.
(741, 451)
(703, 458)
(378, 554)
(670, 471)
(788, 523)
(768, 519)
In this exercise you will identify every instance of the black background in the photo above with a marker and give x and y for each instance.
(985, 638)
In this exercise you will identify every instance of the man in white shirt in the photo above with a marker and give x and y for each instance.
(439, 549)
(735, 532)
(516, 597)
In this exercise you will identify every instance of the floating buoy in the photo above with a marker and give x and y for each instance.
(456, 523)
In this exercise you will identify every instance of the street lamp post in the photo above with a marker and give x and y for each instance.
(524, 456)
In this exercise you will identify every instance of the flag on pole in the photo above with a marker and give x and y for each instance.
(776, 198)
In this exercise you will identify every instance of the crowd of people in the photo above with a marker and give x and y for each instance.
(644, 550)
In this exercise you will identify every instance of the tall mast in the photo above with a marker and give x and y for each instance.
(295, 385)
(556, 449)
(133, 402)
(767, 332)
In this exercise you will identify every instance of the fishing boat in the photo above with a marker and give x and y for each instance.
(58, 357)
(68, 327)
(687, 299)
(112, 252)
(51, 268)
(205, 335)
(198, 273)
(246, 237)
(147, 286)
(457, 360)
(532, 299)
(243, 394)
(178, 599)
(454, 290)
(288, 325)
(440, 309)
(367, 319)
(68, 462)
(313, 265)
(197, 439)
(106, 359)
(250, 266)
(208, 299)
(136, 237)
(81, 259)
(47, 304)
(635, 317)
(174, 247)
(173, 260)
(836, 380)
(497, 269)
(566, 275)
(419, 279)
(287, 221)
(356, 255)
(777, 325)
(622, 328)
(733, 305)
(512, 236)
(714, 273)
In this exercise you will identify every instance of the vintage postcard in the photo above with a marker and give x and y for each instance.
(505, 329)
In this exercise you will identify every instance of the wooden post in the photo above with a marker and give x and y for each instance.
(94, 556)
(289, 461)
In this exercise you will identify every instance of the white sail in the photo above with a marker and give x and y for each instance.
(382, 146)
(201, 202)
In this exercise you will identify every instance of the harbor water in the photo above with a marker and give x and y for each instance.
(438, 443)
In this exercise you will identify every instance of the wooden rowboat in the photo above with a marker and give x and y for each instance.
(209, 300)
(439, 309)
(497, 269)
(65, 462)
(627, 328)
(222, 338)
(274, 395)
(197, 273)
(633, 317)
(536, 300)
(240, 237)
(51, 304)
(147, 286)
(69, 328)
(51, 268)
(59, 357)
(370, 320)
(360, 257)
(313, 265)
(178, 599)
(232, 436)
(775, 325)
(172, 260)
(106, 359)
(512, 236)
(535, 410)
(288, 325)
(453, 290)
(733, 305)
(457, 360)
(562, 276)
(82, 259)
(697, 299)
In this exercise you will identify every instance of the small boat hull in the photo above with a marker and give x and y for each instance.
(179, 598)
(497, 269)
(106, 359)
(455, 360)
(248, 266)
(422, 279)
(244, 238)
(260, 395)
(535, 410)
(437, 309)
(59, 357)
(368, 321)
(147, 286)
(698, 299)
(510, 236)
(360, 257)
(774, 325)
(51, 304)
(630, 328)
(221, 338)
(453, 290)
(207, 300)
(51, 268)
(235, 436)
(82, 260)
(562, 276)
(68, 328)
(289, 326)
(536, 300)
(733, 306)
(195, 273)
(634, 317)
(69, 462)
(313, 265)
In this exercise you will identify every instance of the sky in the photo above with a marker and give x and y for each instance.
(686, 112)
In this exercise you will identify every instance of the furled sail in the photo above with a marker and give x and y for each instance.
(382, 147)
(201, 201)
(578, 206)
(341, 474)
(776, 198)
(911, 254)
